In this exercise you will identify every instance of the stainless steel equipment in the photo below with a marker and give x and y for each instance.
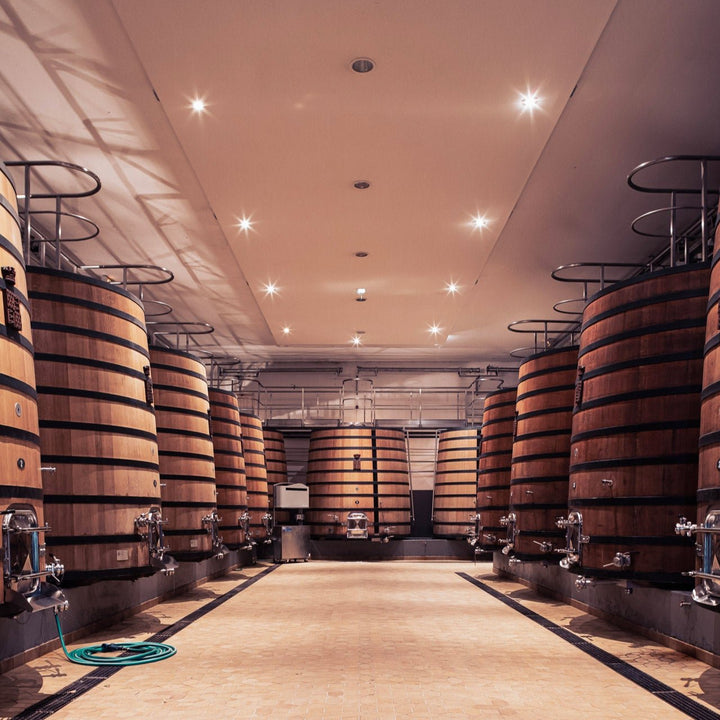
(357, 526)
(291, 542)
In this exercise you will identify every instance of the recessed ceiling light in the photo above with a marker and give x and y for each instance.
(479, 222)
(362, 65)
(198, 105)
(244, 223)
(529, 101)
(286, 330)
(434, 329)
(270, 289)
(361, 254)
(361, 185)
(356, 340)
(452, 287)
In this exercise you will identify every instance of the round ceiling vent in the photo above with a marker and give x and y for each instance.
(362, 65)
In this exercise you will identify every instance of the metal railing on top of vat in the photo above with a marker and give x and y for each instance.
(128, 280)
(687, 232)
(36, 237)
(183, 329)
(58, 209)
(689, 175)
(593, 273)
(547, 334)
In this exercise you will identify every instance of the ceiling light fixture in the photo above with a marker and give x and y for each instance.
(360, 292)
(286, 330)
(198, 105)
(362, 65)
(361, 185)
(244, 224)
(529, 101)
(356, 340)
(270, 289)
(434, 329)
(452, 287)
(479, 222)
(361, 254)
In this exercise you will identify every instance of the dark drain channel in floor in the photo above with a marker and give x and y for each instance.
(662, 691)
(51, 704)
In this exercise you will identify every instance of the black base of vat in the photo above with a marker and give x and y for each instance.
(193, 556)
(490, 548)
(246, 556)
(665, 581)
(78, 578)
(553, 558)
(263, 550)
(405, 549)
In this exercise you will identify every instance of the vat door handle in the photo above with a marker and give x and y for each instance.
(149, 399)
(13, 319)
(579, 381)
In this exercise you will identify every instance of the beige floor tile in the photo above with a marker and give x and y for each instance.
(332, 641)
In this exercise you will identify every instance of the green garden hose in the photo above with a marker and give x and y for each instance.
(141, 652)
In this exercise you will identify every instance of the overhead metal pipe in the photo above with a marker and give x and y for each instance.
(460, 371)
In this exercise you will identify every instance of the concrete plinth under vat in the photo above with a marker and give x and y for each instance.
(92, 607)
(393, 549)
(669, 617)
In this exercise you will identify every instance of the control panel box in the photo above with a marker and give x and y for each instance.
(292, 496)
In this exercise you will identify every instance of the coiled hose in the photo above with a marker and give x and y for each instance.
(141, 652)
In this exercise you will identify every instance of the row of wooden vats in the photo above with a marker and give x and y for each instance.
(603, 450)
(608, 450)
(595, 460)
(117, 458)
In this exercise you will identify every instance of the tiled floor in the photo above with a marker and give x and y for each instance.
(390, 640)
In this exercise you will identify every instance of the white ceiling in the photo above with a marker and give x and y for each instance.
(435, 129)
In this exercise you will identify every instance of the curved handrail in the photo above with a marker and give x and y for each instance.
(657, 211)
(61, 214)
(526, 351)
(203, 351)
(602, 279)
(169, 275)
(598, 279)
(486, 378)
(697, 235)
(27, 213)
(544, 326)
(702, 159)
(206, 328)
(231, 384)
(182, 329)
(558, 307)
(215, 375)
(543, 329)
(28, 164)
(166, 311)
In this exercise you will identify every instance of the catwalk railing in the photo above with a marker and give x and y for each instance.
(321, 406)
